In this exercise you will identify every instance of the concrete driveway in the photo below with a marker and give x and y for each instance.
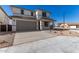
(24, 37)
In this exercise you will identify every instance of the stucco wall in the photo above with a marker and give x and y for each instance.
(39, 14)
(77, 26)
(72, 26)
(17, 11)
(26, 12)
(48, 14)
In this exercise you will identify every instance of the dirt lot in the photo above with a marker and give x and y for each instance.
(6, 39)
(65, 33)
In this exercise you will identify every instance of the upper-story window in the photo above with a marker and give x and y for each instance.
(31, 13)
(44, 14)
(22, 11)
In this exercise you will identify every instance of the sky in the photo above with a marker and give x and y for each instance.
(69, 12)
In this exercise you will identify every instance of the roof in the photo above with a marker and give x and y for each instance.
(22, 17)
(19, 7)
(4, 11)
(48, 18)
(30, 17)
(29, 9)
(73, 24)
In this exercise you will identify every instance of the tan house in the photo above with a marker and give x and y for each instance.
(24, 20)
(69, 25)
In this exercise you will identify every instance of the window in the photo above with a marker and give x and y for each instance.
(3, 28)
(44, 14)
(46, 24)
(9, 27)
(31, 13)
(22, 11)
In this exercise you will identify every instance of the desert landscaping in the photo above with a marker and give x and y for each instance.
(65, 33)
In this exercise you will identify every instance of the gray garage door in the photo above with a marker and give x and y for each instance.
(25, 25)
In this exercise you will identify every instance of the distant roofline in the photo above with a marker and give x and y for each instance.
(70, 23)
(4, 11)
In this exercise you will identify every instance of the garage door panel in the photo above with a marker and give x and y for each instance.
(25, 25)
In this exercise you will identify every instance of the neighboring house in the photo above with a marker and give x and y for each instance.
(74, 25)
(30, 20)
(6, 23)
(70, 25)
(24, 20)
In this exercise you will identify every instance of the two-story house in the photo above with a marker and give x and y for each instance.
(24, 20)
(30, 20)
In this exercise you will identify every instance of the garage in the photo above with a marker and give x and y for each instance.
(25, 25)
